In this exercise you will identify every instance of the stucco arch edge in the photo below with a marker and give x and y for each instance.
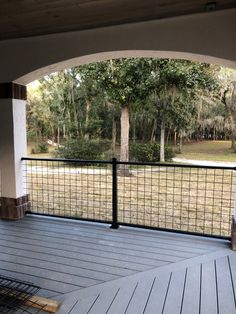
(97, 57)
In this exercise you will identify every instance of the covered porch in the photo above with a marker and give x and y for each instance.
(91, 268)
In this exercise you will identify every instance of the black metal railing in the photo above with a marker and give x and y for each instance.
(173, 197)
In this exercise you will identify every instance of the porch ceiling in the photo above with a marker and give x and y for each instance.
(23, 18)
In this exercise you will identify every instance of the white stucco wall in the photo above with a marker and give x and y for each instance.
(208, 37)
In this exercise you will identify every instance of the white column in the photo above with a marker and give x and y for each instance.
(12, 147)
(14, 200)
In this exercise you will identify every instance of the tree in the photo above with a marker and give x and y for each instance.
(229, 99)
(122, 80)
(173, 89)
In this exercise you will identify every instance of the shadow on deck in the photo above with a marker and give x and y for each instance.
(91, 268)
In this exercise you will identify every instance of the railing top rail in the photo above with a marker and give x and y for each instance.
(68, 160)
(178, 165)
(132, 163)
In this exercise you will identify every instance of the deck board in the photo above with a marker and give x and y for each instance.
(168, 292)
(91, 237)
(191, 297)
(226, 298)
(94, 269)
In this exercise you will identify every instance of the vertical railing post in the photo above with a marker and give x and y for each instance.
(114, 224)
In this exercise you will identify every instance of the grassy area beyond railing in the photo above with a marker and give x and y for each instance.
(173, 197)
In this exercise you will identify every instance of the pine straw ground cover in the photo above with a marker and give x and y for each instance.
(187, 199)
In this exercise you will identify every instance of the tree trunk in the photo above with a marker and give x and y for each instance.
(233, 142)
(162, 142)
(153, 131)
(168, 136)
(134, 129)
(124, 141)
(64, 131)
(86, 135)
(175, 138)
(180, 141)
(113, 144)
(214, 133)
(58, 135)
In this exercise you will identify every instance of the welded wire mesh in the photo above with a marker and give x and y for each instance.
(175, 197)
(194, 199)
(70, 189)
(15, 296)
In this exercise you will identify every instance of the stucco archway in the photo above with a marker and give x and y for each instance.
(206, 37)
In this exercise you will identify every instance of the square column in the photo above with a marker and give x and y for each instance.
(14, 200)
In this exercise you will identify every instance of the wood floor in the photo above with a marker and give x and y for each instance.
(91, 268)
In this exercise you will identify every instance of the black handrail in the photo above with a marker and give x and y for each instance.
(131, 163)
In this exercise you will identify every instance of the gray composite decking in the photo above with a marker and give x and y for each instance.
(204, 285)
(91, 268)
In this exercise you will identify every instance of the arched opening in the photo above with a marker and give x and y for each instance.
(135, 187)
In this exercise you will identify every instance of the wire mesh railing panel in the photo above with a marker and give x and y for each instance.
(70, 189)
(189, 199)
(192, 199)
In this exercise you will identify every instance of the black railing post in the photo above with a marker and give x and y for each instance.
(114, 224)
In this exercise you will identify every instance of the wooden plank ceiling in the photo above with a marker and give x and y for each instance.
(23, 18)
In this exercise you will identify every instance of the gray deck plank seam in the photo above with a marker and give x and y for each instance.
(87, 257)
(78, 237)
(217, 292)
(99, 226)
(73, 306)
(115, 251)
(120, 247)
(57, 270)
(231, 276)
(131, 297)
(83, 232)
(166, 294)
(76, 259)
(76, 268)
(182, 300)
(63, 264)
(150, 292)
(26, 275)
(94, 303)
(224, 284)
(41, 277)
(89, 254)
(69, 277)
(200, 292)
(113, 300)
(122, 231)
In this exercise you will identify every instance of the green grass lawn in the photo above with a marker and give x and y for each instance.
(208, 150)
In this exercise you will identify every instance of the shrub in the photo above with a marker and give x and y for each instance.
(149, 152)
(40, 148)
(81, 149)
